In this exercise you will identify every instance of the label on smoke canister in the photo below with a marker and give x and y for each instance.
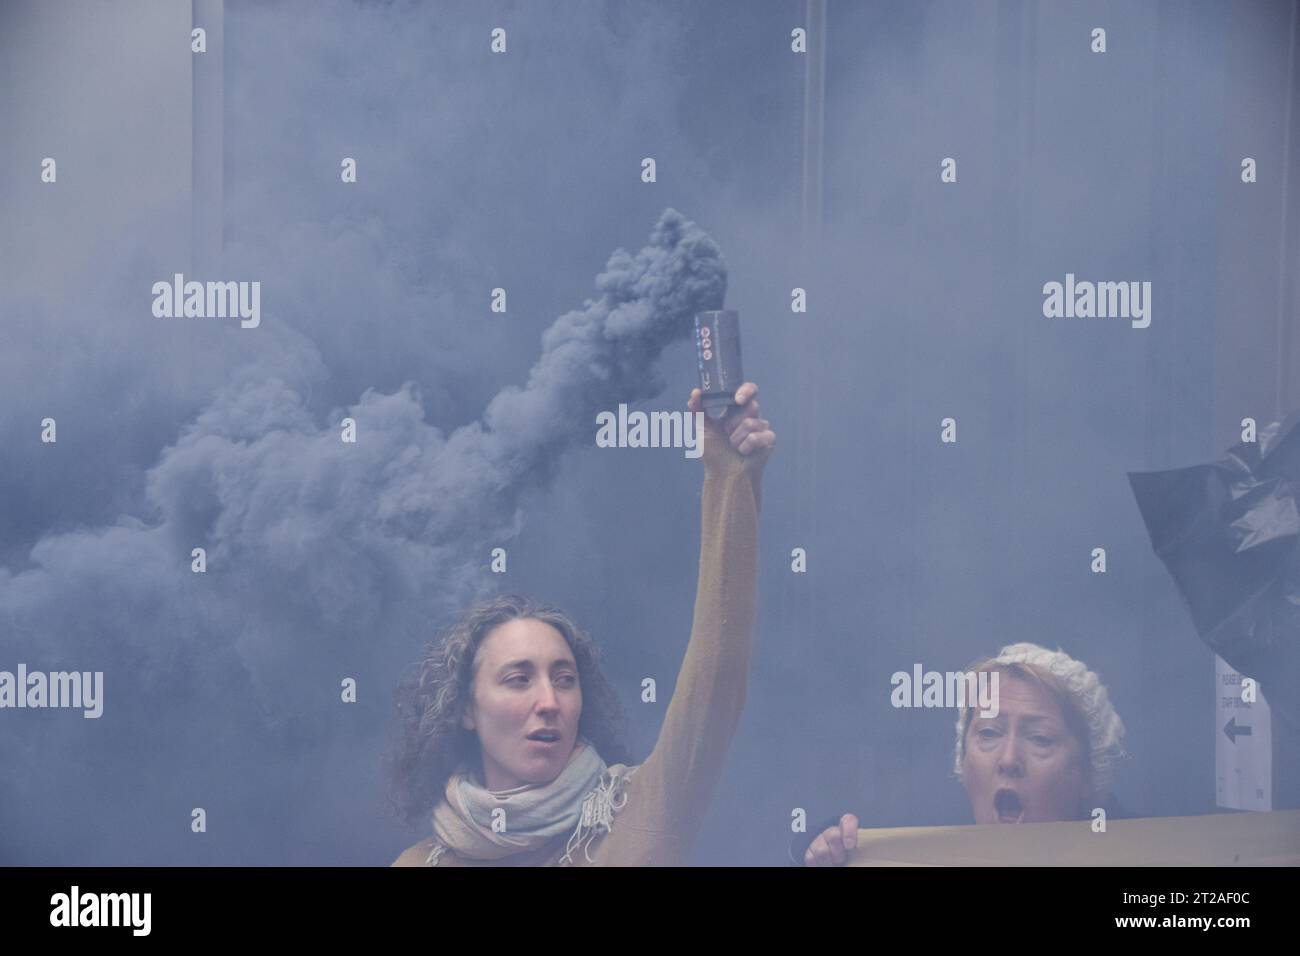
(717, 352)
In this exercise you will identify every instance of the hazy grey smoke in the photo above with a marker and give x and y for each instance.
(324, 558)
(592, 359)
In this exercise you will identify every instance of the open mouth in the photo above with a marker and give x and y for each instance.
(545, 736)
(1007, 806)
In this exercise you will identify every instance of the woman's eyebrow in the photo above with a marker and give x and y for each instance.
(1037, 719)
(523, 663)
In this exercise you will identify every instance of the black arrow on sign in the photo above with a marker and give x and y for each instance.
(1233, 731)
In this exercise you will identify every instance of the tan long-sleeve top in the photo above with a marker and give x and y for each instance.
(668, 795)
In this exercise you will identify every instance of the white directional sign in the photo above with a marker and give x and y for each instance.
(1243, 743)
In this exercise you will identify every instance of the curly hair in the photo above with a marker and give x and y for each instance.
(431, 744)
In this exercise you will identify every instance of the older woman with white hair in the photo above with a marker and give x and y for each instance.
(1046, 755)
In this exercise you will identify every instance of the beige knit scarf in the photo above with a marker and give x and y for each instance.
(582, 801)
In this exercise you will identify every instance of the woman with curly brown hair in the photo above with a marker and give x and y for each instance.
(511, 735)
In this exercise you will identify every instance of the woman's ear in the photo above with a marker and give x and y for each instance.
(467, 718)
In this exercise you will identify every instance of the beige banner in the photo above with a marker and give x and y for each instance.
(1220, 839)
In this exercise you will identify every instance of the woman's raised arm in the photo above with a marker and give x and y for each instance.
(670, 792)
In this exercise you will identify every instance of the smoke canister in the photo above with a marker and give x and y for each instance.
(717, 350)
